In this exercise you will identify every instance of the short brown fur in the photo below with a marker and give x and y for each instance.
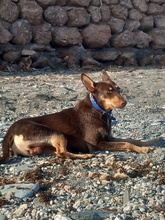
(79, 129)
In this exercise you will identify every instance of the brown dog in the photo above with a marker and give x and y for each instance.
(85, 128)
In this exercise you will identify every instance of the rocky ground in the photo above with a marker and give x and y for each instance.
(117, 186)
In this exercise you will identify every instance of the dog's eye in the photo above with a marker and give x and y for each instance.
(109, 89)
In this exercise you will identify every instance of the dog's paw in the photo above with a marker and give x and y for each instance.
(145, 150)
(88, 156)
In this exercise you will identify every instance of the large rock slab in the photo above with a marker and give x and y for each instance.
(116, 25)
(46, 3)
(140, 5)
(8, 11)
(80, 3)
(56, 15)
(96, 36)
(158, 37)
(20, 190)
(95, 14)
(155, 9)
(119, 12)
(142, 39)
(30, 11)
(5, 35)
(147, 23)
(63, 36)
(78, 17)
(21, 31)
(42, 34)
(124, 39)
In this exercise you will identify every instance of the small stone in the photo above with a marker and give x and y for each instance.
(3, 217)
(127, 209)
(126, 197)
(156, 123)
(60, 217)
(21, 209)
(104, 177)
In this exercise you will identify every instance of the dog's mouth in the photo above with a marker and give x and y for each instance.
(112, 106)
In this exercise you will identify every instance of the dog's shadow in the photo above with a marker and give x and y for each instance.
(160, 143)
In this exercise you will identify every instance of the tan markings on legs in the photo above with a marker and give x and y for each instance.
(122, 146)
(59, 142)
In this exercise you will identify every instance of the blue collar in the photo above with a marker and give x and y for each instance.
(95, 105)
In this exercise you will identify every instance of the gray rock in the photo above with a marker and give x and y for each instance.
(3, 217)
(20, 190)
(90, 215)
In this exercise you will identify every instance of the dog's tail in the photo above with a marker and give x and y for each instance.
(6, 145)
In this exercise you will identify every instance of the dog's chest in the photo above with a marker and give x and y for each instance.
(103, 132)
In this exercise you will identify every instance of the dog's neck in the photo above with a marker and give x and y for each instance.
(98, 108)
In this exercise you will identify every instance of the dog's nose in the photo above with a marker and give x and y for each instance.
(123, 103)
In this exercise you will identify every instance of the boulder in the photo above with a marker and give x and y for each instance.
(142, 39)
(96, 36)
(105, 13)
(147, 23)
(56, 15)
(21, 31)
(12, 56)
(88, 63)
(124, 39)
(110, 2)
(155, 9)
(95, 2)
(60, 2)
(126, 4)
(140, 5)
(95, 14)
(46, 3)
(158, 37)
(79, 3)
(105, 54)
(30, 11)
(160, 21)
(134, 14)
(116, 25)
(132, 25)
(78, 17)
(5, 35)
(119, 12)
(42, 34)
(64, 36)
(8, 11)
(158, 1)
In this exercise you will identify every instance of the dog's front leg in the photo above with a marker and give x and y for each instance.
(135, 142)
(122, 146)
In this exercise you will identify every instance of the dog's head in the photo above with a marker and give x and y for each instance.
(106, 93)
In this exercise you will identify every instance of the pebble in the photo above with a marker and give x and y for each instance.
(3, 217)
(60, 217)
(126, 197)
(156, 123)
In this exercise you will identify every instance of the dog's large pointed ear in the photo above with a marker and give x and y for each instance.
(88, 83)
(105, 76)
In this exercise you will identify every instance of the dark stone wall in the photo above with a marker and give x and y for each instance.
(81, 33)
